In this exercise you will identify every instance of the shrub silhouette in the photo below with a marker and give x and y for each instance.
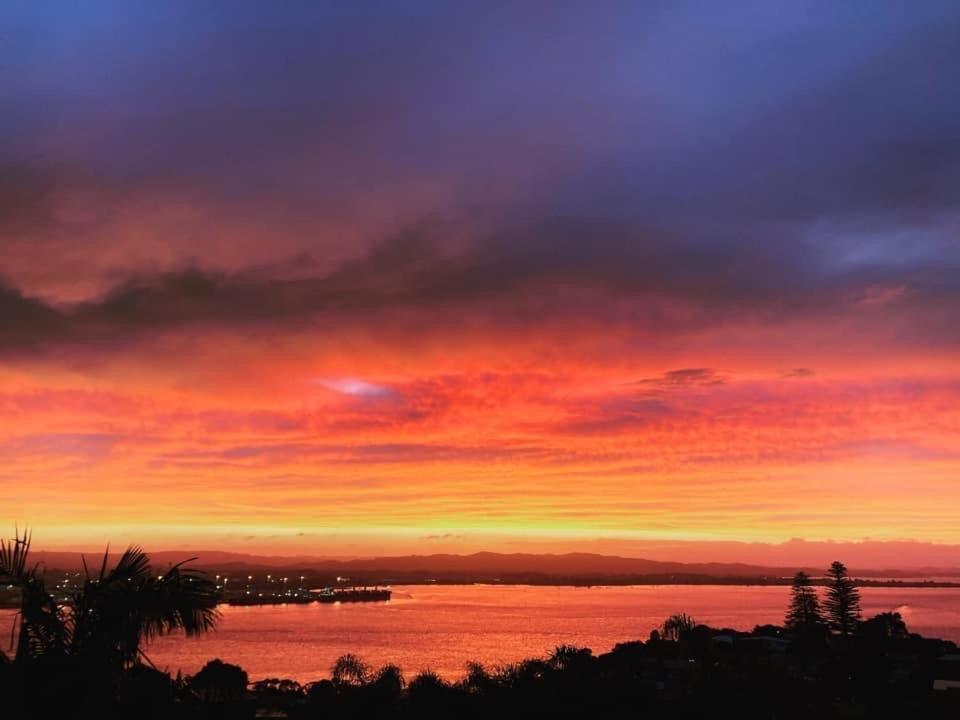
(220, 682)
(349, 670)
(676, 626)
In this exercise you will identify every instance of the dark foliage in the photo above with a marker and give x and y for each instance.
(220, 682)
(685, 671)
(842, 605)
(804, 605)
(80, 648)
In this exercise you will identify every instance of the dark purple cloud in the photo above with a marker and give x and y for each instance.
(760, 161)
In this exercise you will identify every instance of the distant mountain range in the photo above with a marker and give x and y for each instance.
(481, 566)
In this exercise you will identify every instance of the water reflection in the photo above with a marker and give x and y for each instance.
(441, 628)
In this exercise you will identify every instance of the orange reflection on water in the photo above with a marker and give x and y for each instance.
(444, 627)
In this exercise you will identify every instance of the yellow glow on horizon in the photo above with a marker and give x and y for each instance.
(419, 450)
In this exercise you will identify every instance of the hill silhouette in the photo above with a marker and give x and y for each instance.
(485, 565)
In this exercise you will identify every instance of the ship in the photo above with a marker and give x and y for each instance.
(335, 595)
(303, 596)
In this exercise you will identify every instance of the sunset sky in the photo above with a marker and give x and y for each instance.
(350, 278)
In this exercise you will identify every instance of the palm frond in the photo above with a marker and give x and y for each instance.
(113, 616)
(107, 619)
(134, 564)
(14, 554)
(44, 629)
(182, 599)
(103, 565)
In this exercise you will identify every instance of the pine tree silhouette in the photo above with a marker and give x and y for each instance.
(842, 604)
(804, 604)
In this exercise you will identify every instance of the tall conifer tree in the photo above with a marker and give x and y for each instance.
(842, 604)
(804, 604)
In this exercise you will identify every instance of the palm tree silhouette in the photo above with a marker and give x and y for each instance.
(677, 625)
(106, 620)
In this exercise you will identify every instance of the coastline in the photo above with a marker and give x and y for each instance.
(10, 599)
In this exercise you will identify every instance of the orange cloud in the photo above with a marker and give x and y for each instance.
(576, 451)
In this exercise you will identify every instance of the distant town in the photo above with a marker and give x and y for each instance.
(258, 586)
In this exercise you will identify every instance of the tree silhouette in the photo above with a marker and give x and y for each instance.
(477, 681)
(804, 605)
(885, 626)
(107, 618)
(565, 657)
(429, 694)
(842, 604)
(349, 670)
(677, 625)
(221, 682)
(388, 681)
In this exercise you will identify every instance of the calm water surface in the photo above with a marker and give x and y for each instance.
(443, 627)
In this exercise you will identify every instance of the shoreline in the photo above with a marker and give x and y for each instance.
(12, 602)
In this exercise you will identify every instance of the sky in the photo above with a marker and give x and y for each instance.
(351, 278)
